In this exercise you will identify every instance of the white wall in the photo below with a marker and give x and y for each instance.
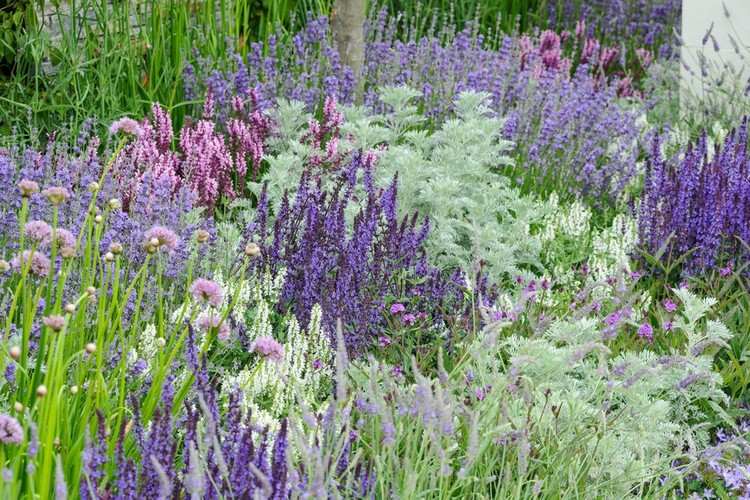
(697, 16)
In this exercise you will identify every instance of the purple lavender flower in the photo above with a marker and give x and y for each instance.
(669, 305)
(646, 331)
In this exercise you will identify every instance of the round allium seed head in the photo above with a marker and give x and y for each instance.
(164, 237)
(202, 236)
(93, 187)
(114, 204)
(204, 290)
(40, 264)
(11, 431)
(91, 291)
(98, 219)
(68, 252)
(18, 406)
(74, 389)
(268, 348)
(4, 266)
(56, 194)
(115, 248)
(109, 257)
(41, 391)
(126, 126)
(70, 308)
(54, 322)
(28, 187)
(37, 231)
(252, 250)
(15, 352)
(91, 348)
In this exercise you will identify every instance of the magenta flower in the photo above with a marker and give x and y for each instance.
(37, 231)
(397, 308)
(646, 331)
(208, 321)
(725, 271)
(40, 264)
(204, 290)
(164, 237)
(384, 341)
(668, 326)
(126, 126)
(268, 348)
(11, 431)
(669, 305)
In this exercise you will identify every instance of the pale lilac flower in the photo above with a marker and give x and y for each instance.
(409, 318)
(11, 431)
(165, 237)
(384, 341)
(28, 187)
(725, 271)
(669, 305)
(646, 331)
(64, 238)
(40, 264)
(208, 321)
(204, 290)
(37, 231)
(54, 322)
(126, 126)
(56, 194)
(397, 308)
(268, 348)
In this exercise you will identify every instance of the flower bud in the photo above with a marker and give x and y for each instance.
(18, 406)
(151, 248)
(252, 250)
(74, 389)
(109, 257)
(93, 187)
(98, 219)
(114, 204)
(91, 348)
(161, 341)
(4, 266)
(91, 290)
(15, 352)
(154, 242)
(41, 391)
(70, 308)
(115, 248)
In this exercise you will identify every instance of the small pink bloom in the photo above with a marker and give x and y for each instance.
(40, 264)
(204, 290)
(37, 231)
(166, 237)
(54, 322)
(56, 194)
(208, 321)
(669, 305)
(646, 331)
(127, 126)
(268, 348)
(409, 319)
(384, 341)
(397, 308)
(28, 187)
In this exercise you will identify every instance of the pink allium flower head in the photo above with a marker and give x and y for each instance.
(11, 431)
(409, 318)
(268, 348)
(166, 237)
(56, 194)
(37, 231)
(646, 331)
(65, 238)
(397, 308)
(40, 264)
(28, 187)
(204, 290)
(669, 305)
(127, 126)
(208, 321)
(54, 322)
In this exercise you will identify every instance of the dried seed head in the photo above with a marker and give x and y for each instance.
(54, 322)
(154, 242)
(202, 236)
(252, 250)
(56, 194)
(41, 391)
(91, 348)
(151, 248)
(91, 290)
(115, 248)
(15, 352)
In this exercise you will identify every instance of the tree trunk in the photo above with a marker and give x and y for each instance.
(347, 23)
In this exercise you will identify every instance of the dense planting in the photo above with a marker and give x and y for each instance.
(480, 268)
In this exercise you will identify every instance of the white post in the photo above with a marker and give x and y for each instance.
(697, 18)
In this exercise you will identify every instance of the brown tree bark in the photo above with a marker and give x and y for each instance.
(347, 23)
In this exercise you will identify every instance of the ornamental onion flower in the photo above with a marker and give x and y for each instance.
(164, 237)
(40, 264)
(397, 308)
(204, 290)
(126, 126)
(54, 322)
(11, 431)
(208, 321)
(37, 231)
(56, 194)
(268, 348)
(28, 187)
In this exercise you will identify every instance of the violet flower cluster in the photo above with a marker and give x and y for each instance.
(697, 203)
